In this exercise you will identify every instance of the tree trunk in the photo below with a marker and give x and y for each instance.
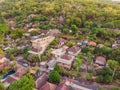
(92, 66)
(113, 74)
(77, 69)
(87, 66)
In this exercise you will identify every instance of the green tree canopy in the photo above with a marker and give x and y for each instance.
(114, 65)
(25, 83)
(3, 29)
(17, 33)
(105, 75)
(70, 44)
(54, 42)
(78, 63)
(2, 87)
(54, 77)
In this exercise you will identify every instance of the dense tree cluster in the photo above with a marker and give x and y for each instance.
(17, 33)
(25, 83)
(105, 75)
(86, 13)
(80, 19)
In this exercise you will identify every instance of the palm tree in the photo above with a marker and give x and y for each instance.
(35, 58)
(89, 60)
(13, 64)
(78, 63)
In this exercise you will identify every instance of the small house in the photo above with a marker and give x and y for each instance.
(73, 50)
(65, 61)
(59, 52)
(41, 81)
(51, 64)
(48, 86)
(100, 60)
(54, 32)
(84, 43)
(44, 32)
(91, 43)
(10, 79)
(61, 41)
(63, 86)
(100, 45)
(21, 72)
(114, 46)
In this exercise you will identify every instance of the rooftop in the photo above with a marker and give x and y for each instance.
(66, 56)
(41, 81)
(48, 86)
(74, 49)
(91, 43)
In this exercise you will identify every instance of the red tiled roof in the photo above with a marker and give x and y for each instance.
(65, 56)
(41, 81)
(48, 86)
(9, 79)
(64, 48)
(91, 43)
(74, 49)
(62, 86)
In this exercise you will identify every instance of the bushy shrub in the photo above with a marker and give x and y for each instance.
(115, 88)
(99, 78)
(89, 76)
(102, 88)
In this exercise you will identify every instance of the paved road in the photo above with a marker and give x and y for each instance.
(92, 87)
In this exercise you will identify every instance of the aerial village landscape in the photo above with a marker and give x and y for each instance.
(59, 45)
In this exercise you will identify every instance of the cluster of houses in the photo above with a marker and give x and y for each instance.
(62, 55)
(38, 46)
(14, 75)
(65, 56)
(66, 84)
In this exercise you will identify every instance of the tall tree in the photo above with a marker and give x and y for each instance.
(74, 28)
(90, 60)
(54, 77)
(114, 65)
(2, 86)
(78, 63)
